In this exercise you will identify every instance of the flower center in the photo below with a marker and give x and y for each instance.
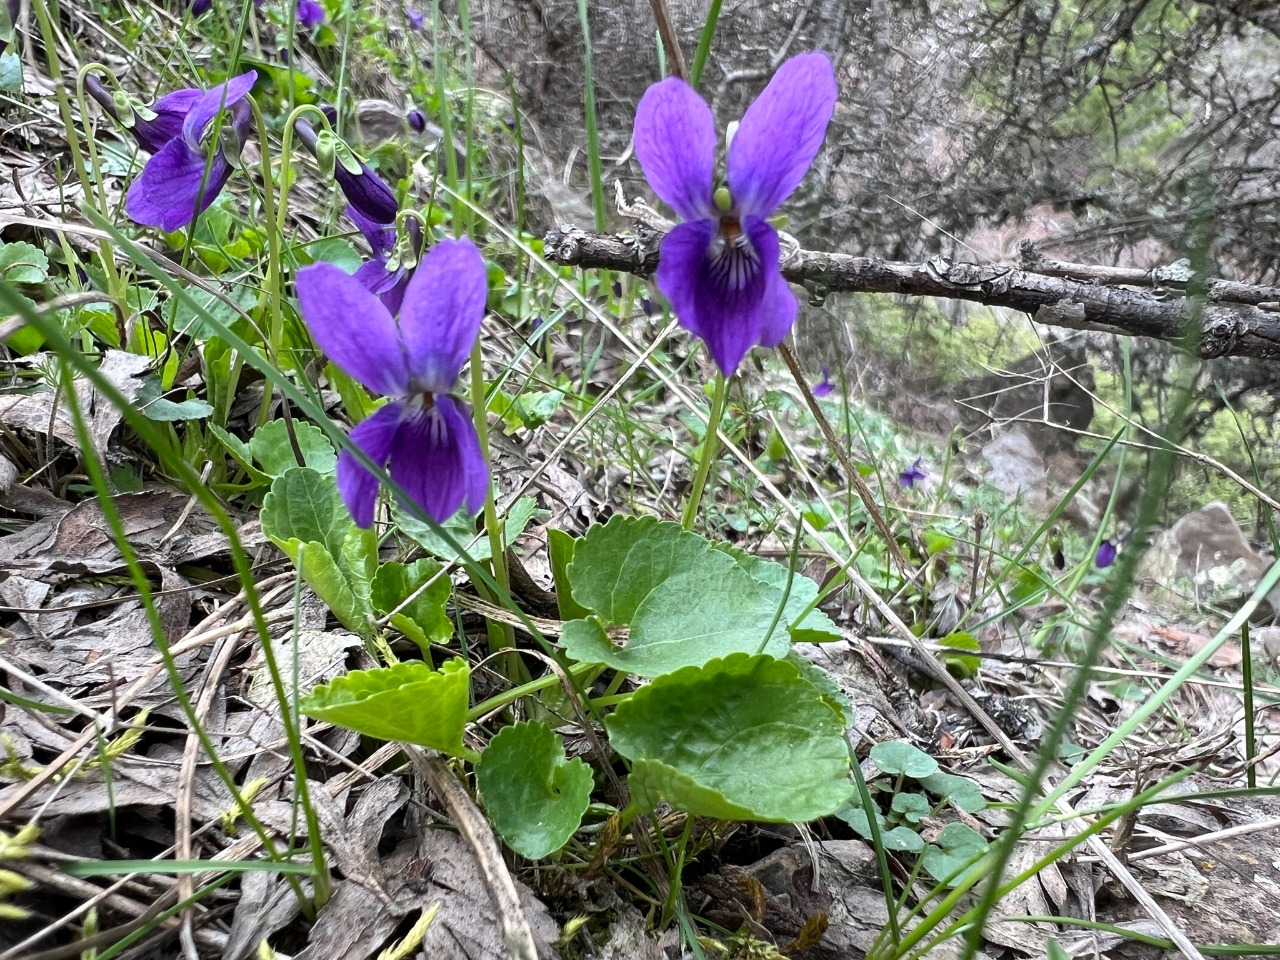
(732, 260)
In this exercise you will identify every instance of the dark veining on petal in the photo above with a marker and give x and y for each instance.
(732, 261)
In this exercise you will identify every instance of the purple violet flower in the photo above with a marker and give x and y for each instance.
(387, 274)
(1106, 554)
(367, 192)
(199, 7)
(309, 14)
(425, 433)
(416, 19)
(152, 127)
(824, 387)
(417, 120)
(910, 477)
(647, 306)
(720, 267)
(181, 179)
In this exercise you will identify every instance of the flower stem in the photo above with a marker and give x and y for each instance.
(707, 455)
(501, 636)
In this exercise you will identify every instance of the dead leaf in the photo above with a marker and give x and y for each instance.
(45, 412)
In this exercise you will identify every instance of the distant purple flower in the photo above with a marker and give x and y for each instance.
(1106, 554)
(425, 433)
(647, 306)
(309, 14)
(416, 19)
(417, 120)
(617, 289)
(824, 387)
(175, 186)
(720, 268)
(198, 7)
(913, 475)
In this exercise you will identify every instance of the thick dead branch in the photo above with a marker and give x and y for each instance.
(1232, 320)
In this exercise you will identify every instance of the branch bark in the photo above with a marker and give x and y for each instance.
(1231, 319)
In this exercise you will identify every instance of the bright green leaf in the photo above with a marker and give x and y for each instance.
(936, 542)
(409, 702)
(664, 599)
(272, 449)
(322, 574)
(1029, 586)
(423, 620)
(560, 547)
(743, 737)
(535, 797)
(966, 666)
(898, 756)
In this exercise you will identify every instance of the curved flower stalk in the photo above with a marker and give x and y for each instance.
(425, 433)
(372, 207)
(182, 179)
(720, 267)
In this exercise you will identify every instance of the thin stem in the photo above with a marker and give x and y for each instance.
(501, 636)
(707, 455)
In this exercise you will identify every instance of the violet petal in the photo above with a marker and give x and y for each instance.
(387, 285)
(725, 299)
(675, 141)
(380, 234)
(781, 133)
(309, 14)
(443, 308)
(166, 192)
(353, 328)
(375, 436)
(436, 459)
(778, 305)
(368, 192)
(1106, 554)
(170, 110)
(222, 97)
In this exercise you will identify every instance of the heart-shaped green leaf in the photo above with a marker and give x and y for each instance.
(409, 702)
(304, 505)
(331, 585)
(957, 845)
(664, 599)
(271, 447)
(423, 620)
(898, 756)
(961, 791)
(743, 737)
(898, 838)
(535, 797)
(911, 807)
(816, 626)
